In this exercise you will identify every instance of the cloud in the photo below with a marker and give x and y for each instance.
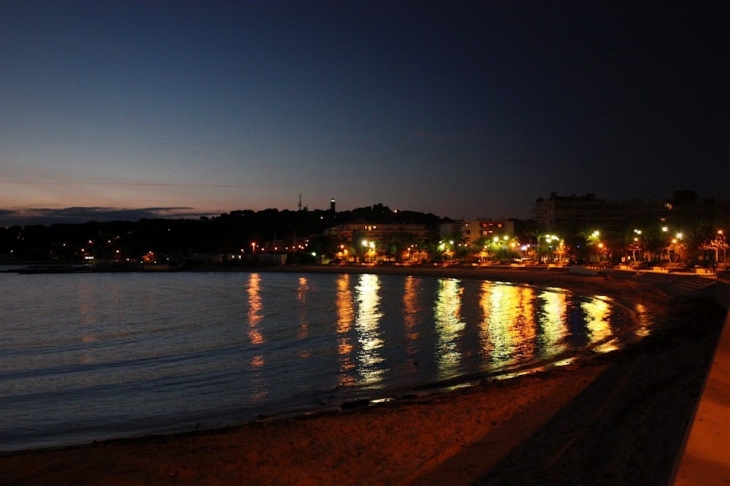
(75, 215)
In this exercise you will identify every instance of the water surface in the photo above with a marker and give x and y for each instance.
(94, 356)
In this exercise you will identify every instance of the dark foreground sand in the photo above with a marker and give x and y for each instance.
(617, 418)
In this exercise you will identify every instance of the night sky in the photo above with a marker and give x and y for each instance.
(463, 109)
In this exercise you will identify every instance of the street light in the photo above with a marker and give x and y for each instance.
(369, 246)
(721, 237)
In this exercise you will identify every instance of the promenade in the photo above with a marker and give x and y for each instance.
(705, 457)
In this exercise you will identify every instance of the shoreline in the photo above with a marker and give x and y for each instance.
(484, 431)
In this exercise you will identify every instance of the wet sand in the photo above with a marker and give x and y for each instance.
(616, 418)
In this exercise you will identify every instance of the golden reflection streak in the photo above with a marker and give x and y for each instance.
(499, 327)
(447, 313)
(345, 315)
(520, 301)
(255, 315)
(410, 308)
(368, 320)
(597, 313)
(302, 291)
(644, 319)
(554, 322)
(254, 309)
(485, 329)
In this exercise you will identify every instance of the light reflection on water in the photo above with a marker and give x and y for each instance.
(411, 308)
(553, 323)
(367, 324)
(87, 357)
(345, 316)
(255, 307)
(449, 325)
(597, 313)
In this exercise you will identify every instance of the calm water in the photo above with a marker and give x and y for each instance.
(90, 357)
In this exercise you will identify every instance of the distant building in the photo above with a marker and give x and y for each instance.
(378, 233)
(559, 213)
(473, 230)
(332, 205)
(374, 242)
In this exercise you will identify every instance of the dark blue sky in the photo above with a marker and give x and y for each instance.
(463, 109)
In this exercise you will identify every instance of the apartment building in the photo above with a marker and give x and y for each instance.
(353, 233)
(560, 212)
(473, 230)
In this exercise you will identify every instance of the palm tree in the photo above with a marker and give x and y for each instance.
(590, 240)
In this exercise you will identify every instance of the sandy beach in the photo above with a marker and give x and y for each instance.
(615, 418)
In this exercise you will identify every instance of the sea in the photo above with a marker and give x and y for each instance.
(93, 356)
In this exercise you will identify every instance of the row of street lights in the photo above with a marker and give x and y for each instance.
(552, 244)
